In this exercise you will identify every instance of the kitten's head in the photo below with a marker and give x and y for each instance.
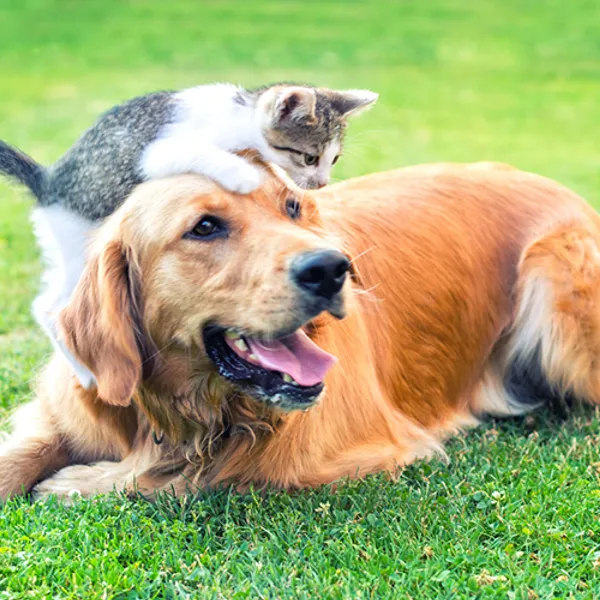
(304, 128)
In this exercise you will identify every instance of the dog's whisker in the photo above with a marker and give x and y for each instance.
(368, 293)
(357, 256)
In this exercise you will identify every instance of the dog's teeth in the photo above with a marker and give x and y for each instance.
(253, 357)
(231, 335)
(287, 378)
(240, 344)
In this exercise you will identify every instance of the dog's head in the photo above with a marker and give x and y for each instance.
(208, 274)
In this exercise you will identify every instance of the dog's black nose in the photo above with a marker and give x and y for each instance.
(322, 273)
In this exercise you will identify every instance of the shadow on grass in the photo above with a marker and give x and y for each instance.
(548, 421)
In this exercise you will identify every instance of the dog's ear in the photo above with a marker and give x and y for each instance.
(100, 324)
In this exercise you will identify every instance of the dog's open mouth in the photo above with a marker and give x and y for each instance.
(287, 372)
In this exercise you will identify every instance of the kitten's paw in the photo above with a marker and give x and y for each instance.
(241, 180)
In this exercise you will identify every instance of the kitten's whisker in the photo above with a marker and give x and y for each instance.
(359, 134)
(352, 151)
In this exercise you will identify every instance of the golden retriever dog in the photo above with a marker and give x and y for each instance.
(291, 339)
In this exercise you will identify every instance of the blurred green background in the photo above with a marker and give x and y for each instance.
(515, 81)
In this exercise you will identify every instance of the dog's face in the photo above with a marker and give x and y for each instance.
(234, 277)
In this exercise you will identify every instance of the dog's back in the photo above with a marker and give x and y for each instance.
(481, 287)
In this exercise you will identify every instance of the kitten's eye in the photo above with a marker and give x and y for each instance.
(208, 228)
(311, 159)
(335, 159)
(293, 208)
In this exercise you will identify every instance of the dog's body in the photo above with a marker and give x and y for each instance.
(478, 294)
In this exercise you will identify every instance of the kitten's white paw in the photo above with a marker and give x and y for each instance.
(242, 180)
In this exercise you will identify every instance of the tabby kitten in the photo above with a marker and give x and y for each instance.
(197, 130)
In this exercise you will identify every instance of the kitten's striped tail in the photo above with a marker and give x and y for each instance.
(19, 166)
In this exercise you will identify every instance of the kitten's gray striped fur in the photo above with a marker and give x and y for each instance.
(101, 169)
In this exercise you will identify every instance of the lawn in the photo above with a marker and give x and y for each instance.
(513, 514)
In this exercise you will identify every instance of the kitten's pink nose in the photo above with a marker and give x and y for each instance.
(317, 182)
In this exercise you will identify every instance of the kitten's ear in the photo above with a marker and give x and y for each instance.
(295, 104)
(352, 102)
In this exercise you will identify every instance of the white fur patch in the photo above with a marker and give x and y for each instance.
(534, 323)
(62, 236)
(532, 329)
(185, 154)
(326, 162)
(539, 329)
(492, 398)
(209, 126)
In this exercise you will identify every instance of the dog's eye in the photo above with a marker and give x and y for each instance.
(208, 228)
(311, 159)
(293, 208)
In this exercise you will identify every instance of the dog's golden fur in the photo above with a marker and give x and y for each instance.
(475, 285)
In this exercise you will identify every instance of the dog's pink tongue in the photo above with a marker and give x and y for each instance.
(297, 355)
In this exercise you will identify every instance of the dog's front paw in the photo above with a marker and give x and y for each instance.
(62, 486)
(78, 481)
(241, 180)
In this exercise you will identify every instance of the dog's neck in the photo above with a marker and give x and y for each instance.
(193, 406)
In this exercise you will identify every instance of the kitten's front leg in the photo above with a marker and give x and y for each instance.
(176, 155)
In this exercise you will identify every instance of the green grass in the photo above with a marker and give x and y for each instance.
(514, 513)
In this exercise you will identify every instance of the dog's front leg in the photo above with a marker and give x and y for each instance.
(105, 476)
(33, 451)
